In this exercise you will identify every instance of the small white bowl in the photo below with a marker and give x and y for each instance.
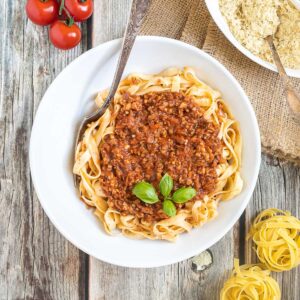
(213, 7)
(52, 140)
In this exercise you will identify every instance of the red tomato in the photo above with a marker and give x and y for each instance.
(63, 35)
(42, 12)
(80, 9)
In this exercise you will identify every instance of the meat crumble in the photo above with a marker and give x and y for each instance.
(158, 133)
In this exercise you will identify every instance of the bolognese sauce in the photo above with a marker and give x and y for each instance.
(158, 133)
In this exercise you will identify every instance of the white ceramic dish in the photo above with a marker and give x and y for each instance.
(51, 150)
(213, 7)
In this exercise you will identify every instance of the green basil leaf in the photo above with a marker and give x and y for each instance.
(166, 185)
(169, 208)
(183, 195)
(145, 192)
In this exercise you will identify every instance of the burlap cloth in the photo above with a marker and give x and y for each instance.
(190, 21)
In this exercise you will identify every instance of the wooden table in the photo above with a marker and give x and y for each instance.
(36, 261)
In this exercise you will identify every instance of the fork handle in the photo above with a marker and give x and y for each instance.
(137, 13)
(292, 96)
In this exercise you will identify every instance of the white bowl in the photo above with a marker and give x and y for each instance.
(213, 7)
(51, 150)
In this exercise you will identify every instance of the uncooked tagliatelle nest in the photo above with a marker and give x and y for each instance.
(276, 235)
(250, 282)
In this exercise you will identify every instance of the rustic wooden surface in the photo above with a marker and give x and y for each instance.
(36, 262)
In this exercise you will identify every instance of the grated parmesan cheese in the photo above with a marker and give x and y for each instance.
(250, 21)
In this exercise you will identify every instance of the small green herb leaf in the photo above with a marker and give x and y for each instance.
(145, 192)
(169, 208)
(166, 185)
(183, 195)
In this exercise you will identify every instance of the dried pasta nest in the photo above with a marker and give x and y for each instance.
(250, 282)
(276, 235)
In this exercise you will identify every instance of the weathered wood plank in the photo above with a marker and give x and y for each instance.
(177, 281)
(278, 186)
(206, 285)
(109, 20)
(36, 262)
(111, 282)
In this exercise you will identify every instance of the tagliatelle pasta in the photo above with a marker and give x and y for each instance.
(276, 235)
(250, 282)
(191, 214)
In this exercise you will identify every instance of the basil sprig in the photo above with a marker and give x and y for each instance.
(166, 185)
(169, 208)
(184, 194)
(146, 192)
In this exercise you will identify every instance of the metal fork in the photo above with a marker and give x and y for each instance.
(137, 13)
(292, 96)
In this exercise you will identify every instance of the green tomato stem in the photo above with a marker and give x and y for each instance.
(61, 7)
(70, 21)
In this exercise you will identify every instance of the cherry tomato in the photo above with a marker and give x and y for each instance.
(42, 12)
(80, 9)
(64, 34)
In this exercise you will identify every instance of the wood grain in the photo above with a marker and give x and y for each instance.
(177, 281)
(36, 262)
(109, 20)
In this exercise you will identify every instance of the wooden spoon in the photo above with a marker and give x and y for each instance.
(292, 96)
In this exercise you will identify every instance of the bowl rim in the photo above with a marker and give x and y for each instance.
(219, 235)
(296, 3)
(223, 26)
